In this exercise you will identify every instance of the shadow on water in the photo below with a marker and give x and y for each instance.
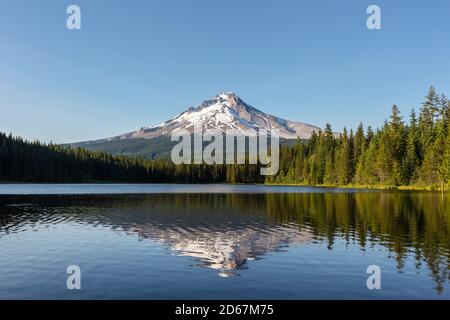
(227, 231)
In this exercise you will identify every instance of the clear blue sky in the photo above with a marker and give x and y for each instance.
(138, 63)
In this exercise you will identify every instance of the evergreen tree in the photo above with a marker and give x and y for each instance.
(383, 162)
(343, 160)
(329, 170)
(444, 170)
(433, 160)
(427, 116)
(445, 111)
(412, 160)
(359, 142)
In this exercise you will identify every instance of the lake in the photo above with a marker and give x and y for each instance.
(134, 241)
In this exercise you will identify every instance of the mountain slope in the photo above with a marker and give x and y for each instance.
(225, 111)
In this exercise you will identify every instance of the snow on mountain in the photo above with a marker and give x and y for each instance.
(224, 111)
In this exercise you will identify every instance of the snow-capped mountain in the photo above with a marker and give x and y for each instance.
(224, 111)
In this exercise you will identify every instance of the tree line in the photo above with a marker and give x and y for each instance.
(24, 161)
(399, 153)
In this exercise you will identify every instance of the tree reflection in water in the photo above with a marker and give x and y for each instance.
(227, 231)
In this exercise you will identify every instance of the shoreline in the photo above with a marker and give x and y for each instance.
(350, 186)
(366, 187)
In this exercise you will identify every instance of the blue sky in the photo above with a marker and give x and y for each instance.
(138, 63)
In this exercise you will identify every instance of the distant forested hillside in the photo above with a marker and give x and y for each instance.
(24, 161)
(156, 148)
(398, 154)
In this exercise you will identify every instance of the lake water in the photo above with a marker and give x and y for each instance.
(221, 242)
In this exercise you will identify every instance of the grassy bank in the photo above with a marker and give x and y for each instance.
(368, 187)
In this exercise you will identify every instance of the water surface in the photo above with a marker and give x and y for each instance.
(117, 188)
(233, 242)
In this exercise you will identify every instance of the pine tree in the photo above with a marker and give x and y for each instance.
(329, 170)
(444, 170)
(433, 159)
(352, 159)
(412, 159)
(369, 135)
(427, 116)
(343, 160)
(366, 171)
(445, 111)
(359, 142)
(299, 163)
(396, 134)
(383, 159)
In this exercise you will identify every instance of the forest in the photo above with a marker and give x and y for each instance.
(23, 161)
(415, 152)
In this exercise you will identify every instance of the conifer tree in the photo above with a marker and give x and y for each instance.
(444, 170)
(433, 159)
(359, 142)
(412, 159)
(343, 160)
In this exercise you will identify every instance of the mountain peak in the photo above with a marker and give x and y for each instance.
(226, 96)
(229, 100)
(222, 99)
(223, 112)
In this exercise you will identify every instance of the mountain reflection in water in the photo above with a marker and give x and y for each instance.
(221, 247)
(227, 231)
